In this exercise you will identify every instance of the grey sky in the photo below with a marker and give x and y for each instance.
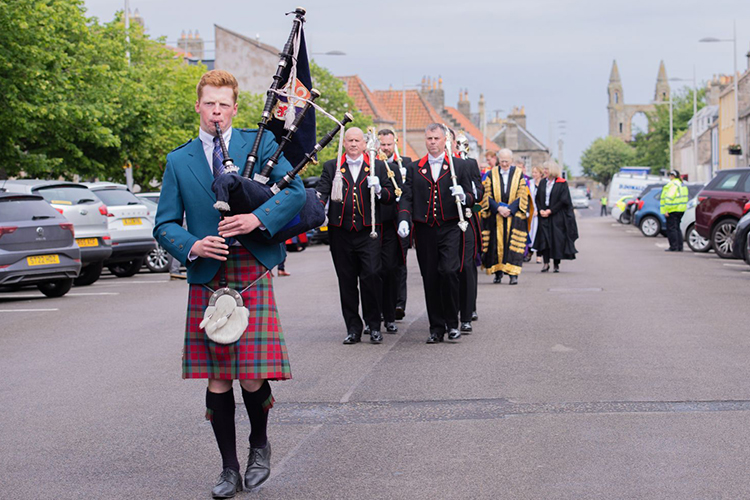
(551, 56)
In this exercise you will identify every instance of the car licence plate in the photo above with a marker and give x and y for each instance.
(132, 222)
(41, 260)
(87, 242)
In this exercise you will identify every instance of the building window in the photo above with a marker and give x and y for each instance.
(525, 160)
(617, 97)
(621, 128)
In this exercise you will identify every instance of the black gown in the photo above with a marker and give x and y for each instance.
(558, 232)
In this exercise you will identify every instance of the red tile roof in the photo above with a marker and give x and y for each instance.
(419, 112)
(471, 129)
(364, 99)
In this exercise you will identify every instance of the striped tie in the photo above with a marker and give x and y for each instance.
(218, 157)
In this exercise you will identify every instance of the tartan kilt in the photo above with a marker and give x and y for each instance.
(261, 352)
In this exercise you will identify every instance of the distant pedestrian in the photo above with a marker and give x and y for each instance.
(282, 269)
(603, 212)
(674, 198)
(536, 176)
(558, 231)
(174, 269)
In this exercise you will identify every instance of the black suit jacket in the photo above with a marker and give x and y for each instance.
(353, 213)
(390, 212)
(424, 200)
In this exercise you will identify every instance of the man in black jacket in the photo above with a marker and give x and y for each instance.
(393, 250)
(429, 201)
(356, 256)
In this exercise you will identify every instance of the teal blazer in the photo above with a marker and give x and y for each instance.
(186, 188)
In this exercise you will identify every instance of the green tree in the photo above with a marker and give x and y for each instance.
(604, 157)
(652, 147)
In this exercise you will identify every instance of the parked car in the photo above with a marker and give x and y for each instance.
(84, 210)
(634, 204)
(157, 260)
(695, 241)
(37, 245)
(129, 227)
(741, 244)
(618, 209)
(720, 207)
(579, 198)
(648, 216)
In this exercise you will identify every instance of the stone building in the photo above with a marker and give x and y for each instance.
(253, 63)
(707, 140)
(515, 136)
(621, 114)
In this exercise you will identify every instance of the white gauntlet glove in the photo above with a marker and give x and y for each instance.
(458, 191)
(374, 182)
(403, 229)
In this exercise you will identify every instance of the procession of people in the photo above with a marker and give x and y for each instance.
(378, 204)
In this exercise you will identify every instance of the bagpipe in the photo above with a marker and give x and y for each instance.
(236, 193)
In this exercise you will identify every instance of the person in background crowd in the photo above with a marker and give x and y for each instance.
(536, 176)
(674, 199)
(603, 212)
(557, 231)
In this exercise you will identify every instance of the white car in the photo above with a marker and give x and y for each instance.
(579, 198)
(129, 227)
(157, 260)
(695, 241)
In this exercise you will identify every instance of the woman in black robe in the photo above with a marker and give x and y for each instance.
(557, 231)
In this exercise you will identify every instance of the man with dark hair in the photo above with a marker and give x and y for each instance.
(394, 248)
(356, 256)
(260, 354)
(429, 202)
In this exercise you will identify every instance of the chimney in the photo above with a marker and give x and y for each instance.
(518, 116)
(464, 105)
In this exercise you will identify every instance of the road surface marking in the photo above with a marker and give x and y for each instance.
(662, 245)
(26, 310)
(87, 294)
(736, 265)
(632, 231)
(592, 289)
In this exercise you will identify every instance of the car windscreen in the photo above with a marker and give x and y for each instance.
(26, 210)
(726, 182)
(67, 195)
(117, 197)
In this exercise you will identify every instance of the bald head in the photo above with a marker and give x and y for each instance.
(505, 158)
(354, 142)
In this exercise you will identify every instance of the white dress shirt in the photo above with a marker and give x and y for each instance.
(436, 164)
(505, 173)
(207, 140)
(548, 191)
(355, 165)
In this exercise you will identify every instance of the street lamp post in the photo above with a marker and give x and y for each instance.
(736, 91)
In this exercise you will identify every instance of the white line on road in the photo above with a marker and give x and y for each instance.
(662, 245)
(736, 265)
(26, 310)
(632, 231)
(87, 294)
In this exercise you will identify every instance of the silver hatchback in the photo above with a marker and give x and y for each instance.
(37, 245)
(82, 208)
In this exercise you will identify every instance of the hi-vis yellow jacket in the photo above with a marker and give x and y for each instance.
(674, 197)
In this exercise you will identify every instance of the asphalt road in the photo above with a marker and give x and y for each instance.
(625, 376)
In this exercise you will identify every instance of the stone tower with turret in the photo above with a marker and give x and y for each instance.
(621, 114)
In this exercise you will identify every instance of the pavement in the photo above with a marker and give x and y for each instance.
(622, 377)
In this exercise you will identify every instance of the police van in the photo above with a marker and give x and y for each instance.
(630, 181)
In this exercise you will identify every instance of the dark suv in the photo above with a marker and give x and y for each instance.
(720, 206)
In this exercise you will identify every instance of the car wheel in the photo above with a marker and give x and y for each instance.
(747, 247)
(650, 226)
(56, 288)
(695, 241)
(622, 219)
(722, 236)
(89, 274)
(157, 260)
(126, 269)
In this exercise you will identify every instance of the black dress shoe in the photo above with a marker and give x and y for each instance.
(474, 316)
(545, 268)
(670, 250)
(466, 326)
(258, 466)
(352, 338)
(376, 337)
(514, 280)
(454, 334)
(435, 338)
(556, 269)
(498, 278)
(400, 312)
(391, 327)
(367, 329)
(228, 485)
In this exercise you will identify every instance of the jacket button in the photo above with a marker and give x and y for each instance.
(163, 233)
(286, 191)
(180, 247)
(277, 202)
(268, 210)
(172, 240)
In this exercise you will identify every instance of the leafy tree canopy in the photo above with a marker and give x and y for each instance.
(603, 159)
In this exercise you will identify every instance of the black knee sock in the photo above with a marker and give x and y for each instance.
(257, 404)
(221, 414)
